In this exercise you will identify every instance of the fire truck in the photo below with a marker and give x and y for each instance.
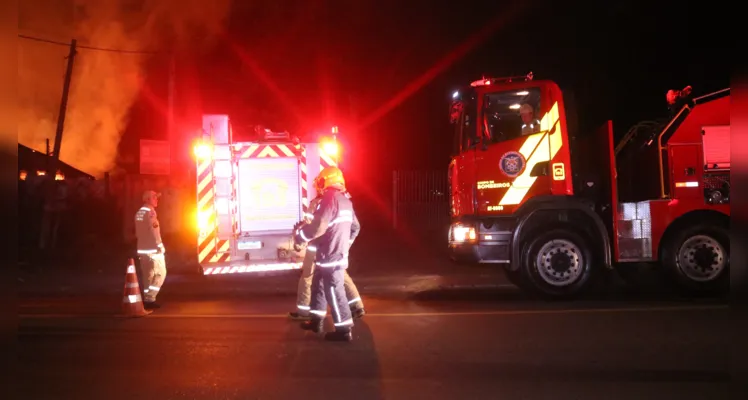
(251, 194)
(555, 208)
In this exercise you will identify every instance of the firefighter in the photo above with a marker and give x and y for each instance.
(331, 229)
(530, 124)
(303, 295)
(676, 99)
(151, 249)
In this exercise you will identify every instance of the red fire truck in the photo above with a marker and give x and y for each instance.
(251, 194)
(527, 191)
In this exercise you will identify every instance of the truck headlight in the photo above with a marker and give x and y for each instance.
(461, 234)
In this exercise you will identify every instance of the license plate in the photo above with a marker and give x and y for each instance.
(250, 245)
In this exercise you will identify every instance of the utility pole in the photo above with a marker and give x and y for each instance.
(50, 217)
(172, 138)
(63, 110)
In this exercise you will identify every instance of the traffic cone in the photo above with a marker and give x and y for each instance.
(132, 301)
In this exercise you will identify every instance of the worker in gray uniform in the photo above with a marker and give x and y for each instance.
(530, 124)
(151, 249)
(304, 291)
(330, 229)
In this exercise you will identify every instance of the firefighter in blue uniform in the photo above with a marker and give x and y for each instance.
(331, 229)
(304, 291)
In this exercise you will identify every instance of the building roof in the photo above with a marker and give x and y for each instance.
(31, 160)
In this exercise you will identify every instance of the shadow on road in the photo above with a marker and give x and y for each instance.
(508, 295)
(308, 359)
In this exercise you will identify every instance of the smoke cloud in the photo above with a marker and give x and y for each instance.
(105, 83)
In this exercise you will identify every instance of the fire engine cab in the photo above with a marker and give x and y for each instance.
(528, 192)
(251, 194)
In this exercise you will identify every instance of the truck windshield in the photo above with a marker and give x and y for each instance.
(510, 114)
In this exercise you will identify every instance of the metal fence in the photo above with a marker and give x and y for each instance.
(420, 199)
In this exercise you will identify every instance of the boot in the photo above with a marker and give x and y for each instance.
(358, 313)
(339, 335)
(298, 316)
(151, 305)
(315, 325)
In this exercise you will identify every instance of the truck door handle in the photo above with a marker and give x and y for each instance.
(690, 171)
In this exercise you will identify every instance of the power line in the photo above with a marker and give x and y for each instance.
(86, 47)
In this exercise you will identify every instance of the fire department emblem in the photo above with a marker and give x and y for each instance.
(512, 164)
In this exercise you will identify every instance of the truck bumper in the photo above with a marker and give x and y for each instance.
(243, 267)
(497, 252)
(481, 244)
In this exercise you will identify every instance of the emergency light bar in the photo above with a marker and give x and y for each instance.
(267, 134)
(509, 79)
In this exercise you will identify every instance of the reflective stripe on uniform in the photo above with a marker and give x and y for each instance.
(333, 264)
(335, 303)
(343, 216)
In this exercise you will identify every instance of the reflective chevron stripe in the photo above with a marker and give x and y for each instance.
(206, 242)
(537, 148)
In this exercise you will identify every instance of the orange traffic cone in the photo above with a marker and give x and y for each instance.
(132, 302)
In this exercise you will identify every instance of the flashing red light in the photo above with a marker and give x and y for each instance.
(481, 82)
(331, 148)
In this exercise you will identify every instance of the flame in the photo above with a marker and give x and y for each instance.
(105, 84)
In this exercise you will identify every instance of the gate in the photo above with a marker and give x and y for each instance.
(420, 200)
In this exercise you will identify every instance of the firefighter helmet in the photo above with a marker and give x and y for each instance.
(318, 185)
(329, 176)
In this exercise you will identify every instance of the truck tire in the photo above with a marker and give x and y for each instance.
(558, 264)
(698, 259)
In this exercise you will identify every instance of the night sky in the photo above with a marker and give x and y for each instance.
(325, 63)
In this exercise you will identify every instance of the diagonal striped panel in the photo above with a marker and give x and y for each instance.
(326, 161)
(222, 253)
(285, 150)
(249, 151)
(304, 178)
(206, 243)
(267, 151)
(250, 268)
(206, 247)
(544, 146)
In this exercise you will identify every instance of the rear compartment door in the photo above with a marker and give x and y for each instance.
(269, 195)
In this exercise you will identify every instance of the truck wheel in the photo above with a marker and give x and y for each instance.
(558, 264)
(699, 259)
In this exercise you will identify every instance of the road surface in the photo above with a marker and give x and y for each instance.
(439, 342)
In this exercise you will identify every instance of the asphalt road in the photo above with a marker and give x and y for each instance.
(459, 343)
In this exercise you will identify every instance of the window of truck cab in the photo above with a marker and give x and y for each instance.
(511, 114)
(463, 115)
